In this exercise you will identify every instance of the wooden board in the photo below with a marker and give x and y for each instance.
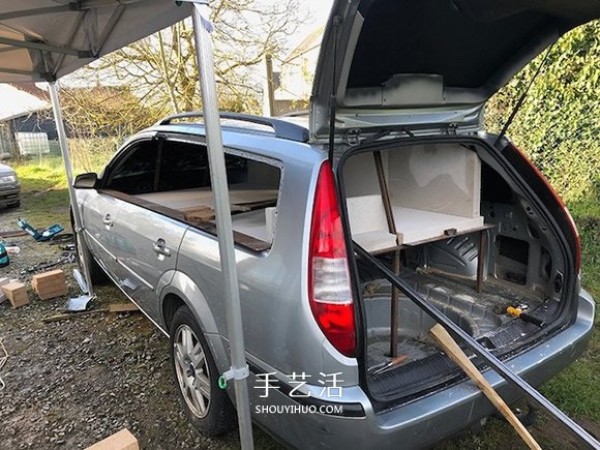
(241, 239)
(199, 214)
(122, 307)
(123, 440)
(455, 353)
(444, 178)
(416, 225)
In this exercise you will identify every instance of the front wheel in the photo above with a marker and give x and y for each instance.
(206, 405)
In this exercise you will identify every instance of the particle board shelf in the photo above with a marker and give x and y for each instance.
(412, 196)
(417, 225)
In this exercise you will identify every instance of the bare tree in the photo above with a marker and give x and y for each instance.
(103, 111)
(163, 71)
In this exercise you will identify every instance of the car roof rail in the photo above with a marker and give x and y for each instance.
(282, 128)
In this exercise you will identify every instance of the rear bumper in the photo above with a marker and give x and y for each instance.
(10, 196)
(423, 422)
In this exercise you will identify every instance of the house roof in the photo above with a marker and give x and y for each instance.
(21, 100)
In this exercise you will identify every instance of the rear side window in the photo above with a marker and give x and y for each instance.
(185, 166)
(173, 178)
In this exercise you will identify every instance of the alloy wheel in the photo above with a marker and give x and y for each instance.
(192, 371)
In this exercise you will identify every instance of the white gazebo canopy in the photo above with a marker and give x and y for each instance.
(43, 40)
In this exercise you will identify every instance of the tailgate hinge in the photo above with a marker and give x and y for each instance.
(352, 136)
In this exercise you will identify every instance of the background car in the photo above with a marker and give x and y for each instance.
(10, 188)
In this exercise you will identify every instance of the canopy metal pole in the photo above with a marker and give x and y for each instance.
(239, 369)
(64, 149)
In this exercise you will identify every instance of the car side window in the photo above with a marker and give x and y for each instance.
(136, 171)
(185, 166)
(173, 178)
(184, 186)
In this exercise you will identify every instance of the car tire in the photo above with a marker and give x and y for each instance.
(97, 275)
(207, 406)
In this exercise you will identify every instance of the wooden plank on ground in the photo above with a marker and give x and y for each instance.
(123, 440)
(122, 307)
(12, 233)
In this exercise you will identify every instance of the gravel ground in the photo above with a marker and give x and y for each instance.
(74, 382)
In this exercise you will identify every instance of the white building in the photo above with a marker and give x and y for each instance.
(293, 76)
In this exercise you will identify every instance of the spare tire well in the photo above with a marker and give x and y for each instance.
(171, 304)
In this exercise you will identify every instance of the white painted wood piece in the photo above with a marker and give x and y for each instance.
(192, 198)
(415, 225)
(443, 178)
(368, 223)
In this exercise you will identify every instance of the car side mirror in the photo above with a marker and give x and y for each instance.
(86, 181)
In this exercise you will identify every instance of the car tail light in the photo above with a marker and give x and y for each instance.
(329, 290)
(559, 202)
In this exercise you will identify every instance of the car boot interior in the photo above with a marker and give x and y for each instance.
(450, 222)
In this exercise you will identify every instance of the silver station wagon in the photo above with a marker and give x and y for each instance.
(338, 358)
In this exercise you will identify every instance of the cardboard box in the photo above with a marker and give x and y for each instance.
(50, 284)
(123, 440)
(16, 293)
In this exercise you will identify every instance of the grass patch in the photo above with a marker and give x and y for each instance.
(44, 194)
(576, 388)
(589, 231)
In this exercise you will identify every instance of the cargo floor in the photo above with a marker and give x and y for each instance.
(480, 314)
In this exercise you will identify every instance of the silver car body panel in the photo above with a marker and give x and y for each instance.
(426, 420)
(150, 251)
(99, 216)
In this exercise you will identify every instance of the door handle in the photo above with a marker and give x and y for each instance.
(108, 221)
(160, 247)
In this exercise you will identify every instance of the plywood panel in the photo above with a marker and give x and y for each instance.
(185, 199)
(368, 223)
(366, 213)
(415, 225)
(252, 224)
(444, 178)
(360, 174)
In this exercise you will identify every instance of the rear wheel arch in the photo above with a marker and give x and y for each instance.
(196, 374)
(171, 303)
(182, 290)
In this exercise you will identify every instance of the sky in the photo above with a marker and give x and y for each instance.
(319, 11)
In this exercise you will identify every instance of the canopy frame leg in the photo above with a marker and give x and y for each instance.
(64, 149)
(239, 369)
